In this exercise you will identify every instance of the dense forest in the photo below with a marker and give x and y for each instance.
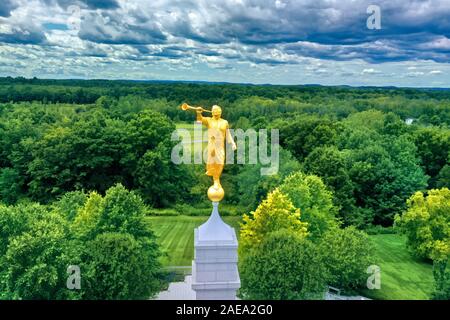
(373, 147)
(91, 150)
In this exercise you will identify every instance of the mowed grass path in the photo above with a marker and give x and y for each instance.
(176, 236)
(402, 276)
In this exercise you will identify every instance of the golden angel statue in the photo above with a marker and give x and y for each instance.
(218, 133)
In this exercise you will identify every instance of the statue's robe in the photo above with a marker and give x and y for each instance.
(217, 130)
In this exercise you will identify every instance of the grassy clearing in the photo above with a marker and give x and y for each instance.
(402, 276)
(187, 210)
(176, 236)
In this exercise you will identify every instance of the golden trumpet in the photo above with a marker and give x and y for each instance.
(185, 107)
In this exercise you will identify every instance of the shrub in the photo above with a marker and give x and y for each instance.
(71, 202)
(119, 211)
(108, 239)
(34, 266)
(122, 211)
(120, 267)
(347, 254)
(283, 266)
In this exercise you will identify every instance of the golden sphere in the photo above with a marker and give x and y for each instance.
(215, 194)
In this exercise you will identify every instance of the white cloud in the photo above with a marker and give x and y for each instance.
(285, 41)
(370, 71)
(415, 74)
(280, 4)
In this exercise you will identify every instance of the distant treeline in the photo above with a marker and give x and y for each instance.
(427, 105)
(88, 91)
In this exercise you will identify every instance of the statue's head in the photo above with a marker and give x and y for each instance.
(216, 111)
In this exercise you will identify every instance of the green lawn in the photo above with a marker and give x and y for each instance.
(402, 276)
(176, 236)
(188, 125)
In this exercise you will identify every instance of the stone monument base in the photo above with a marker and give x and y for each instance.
(215, 274)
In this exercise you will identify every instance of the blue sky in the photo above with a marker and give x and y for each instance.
(252, 41)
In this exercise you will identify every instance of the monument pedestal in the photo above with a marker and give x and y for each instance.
(215, 274)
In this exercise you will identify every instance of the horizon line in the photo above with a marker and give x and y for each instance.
(228, 82)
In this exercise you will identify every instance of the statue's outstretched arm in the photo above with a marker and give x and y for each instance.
(200, 118)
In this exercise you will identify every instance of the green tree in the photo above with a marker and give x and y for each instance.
(347, 254)
(10, 185)
(117, 266)
(86, 220)
(274, 213)
(119, 211)
(70, 203)
(426, 224)
(108, 238)
(315, 201)
(382, 165)
(253, 187)
(157, 175)
(331, 165)
(302, 135)
(96, 151)
(36, 260)
(386, 174)
(283, 266)
(433, 145)
(443, 178)
(83, 155)
(123, 211)
(121, 260)
(377, 121)
(105, 102)
(442, 280)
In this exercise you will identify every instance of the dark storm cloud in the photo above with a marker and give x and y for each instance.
(182, 27)
(323, 29)
(6, 6)
(92, 4)
(23, 35)
(90, 50)
(109, 28)
(101, 4)
(339, 29)
(269, 61)
(206, 52)
(340, 22)
(171, 53)
(389, 49)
